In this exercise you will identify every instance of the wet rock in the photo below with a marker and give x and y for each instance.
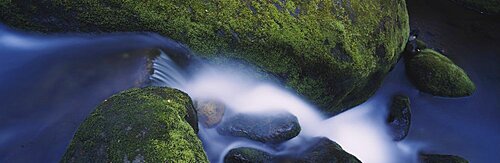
(151, 124)
(438, 158)
(434, 73)
(267, 128)
(399, 117)
(210, 112)
(325, 150)
(491, 7)
(247, 155)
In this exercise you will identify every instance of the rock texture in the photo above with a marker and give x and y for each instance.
(399, 118)
(139, 125)
(266, 128)
(335, 53)
(434, 73)
(210, 112)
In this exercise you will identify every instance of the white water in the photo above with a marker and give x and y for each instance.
(360, 131)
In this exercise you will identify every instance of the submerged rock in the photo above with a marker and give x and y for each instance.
(152, 124)
(266, 128)
(437, 158)
(434, 73)
(210, 112)
(247, 155)
(335, 53)
(399, 118)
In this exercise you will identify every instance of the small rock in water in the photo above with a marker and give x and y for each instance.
(210, 112)
(246, 154)
(325, 150)
(438, 158)
(399, 118)
(266, 128)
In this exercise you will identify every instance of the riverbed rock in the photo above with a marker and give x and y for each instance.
(483, 6)
(325, 150)
(151, 124)
(399, 118)
(210, 112)
(434, 73)
(247, 155)
(438, 158)
(334, 53)
(266, 128)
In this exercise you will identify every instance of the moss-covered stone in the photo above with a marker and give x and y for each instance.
(335, 53)
(266, 128)
(399, 118)
(139, 125)
(487, 6)
(434, 73)
(437, 158)
(247, 155)
(325, 150)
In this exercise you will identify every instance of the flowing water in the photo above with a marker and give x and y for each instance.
(49, 84)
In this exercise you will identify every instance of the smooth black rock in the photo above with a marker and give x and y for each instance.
(266, 128)
(247, 155)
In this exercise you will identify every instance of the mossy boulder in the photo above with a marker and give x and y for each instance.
(486, 6)
(438, 158)
(247, 155)
(152, 124)
(335, 53)
(210, 112)
(434, 73)
(266, 128)
(399, 118)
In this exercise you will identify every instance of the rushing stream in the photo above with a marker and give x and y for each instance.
(49, 84)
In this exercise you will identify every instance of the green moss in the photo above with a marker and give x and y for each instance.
(488, 6)
(421, 44)
(146, 124)
(334, 53)
(434, 73)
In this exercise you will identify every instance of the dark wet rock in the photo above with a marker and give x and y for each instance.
(247, 155)
(399, 118)
(317, 150)
(325, 150)
(438, 158)
(434, 73)
(151, 124)
(267, 128)
(210, 112)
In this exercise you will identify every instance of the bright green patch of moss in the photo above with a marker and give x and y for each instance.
(434, 73)
(335, 53)
(149, 124)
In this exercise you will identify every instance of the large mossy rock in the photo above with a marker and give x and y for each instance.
(152, 124)
(438, 158)
(434, 73)
(334, 52)
(486, 6)
(266, 128)
(399, 118)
